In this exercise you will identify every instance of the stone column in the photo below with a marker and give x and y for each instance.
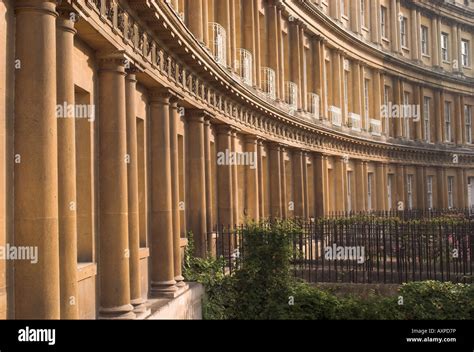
(463, 120)
(174, 157)
(461, 189)
(318, 68)
(223, 18)
(294, 59)
(418, 93)
(435, 38)
(355, 16)
(459, 121)
(248, 32)
(458, 52)
(257, 39)
(113, 204)
(163, 281)
(273, 47)
(356, 89)
(340, 170)
(281, 54)
(415, 34)
(235, 182)
(275, 181)
(232, 33)
(398, 97)
(305, 186)
(133, 202)
(205, 22)
(194, 17)
(320, 184)
(375, 21)
(251, 175)
(377, 100)
(400, 187)
(421, 187)
(298, 182)
(361, 185)
(209, 178)
(261, 185)
(337, 78)
(284, 200)
(438, 117)
(395, 25)
(224, 177)
(197, 176)
(67, 168)
(442, 117)
(380, 189)
(37, 286)
(442, 189)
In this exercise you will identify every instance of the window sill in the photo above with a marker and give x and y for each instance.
(405, 48)
(386, 40)
(86, 270)
(364, 28)
(425, 56)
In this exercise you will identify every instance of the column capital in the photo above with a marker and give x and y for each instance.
(251, 139)
(198, 115)
(66, 19)
(164, 95)
(276, 146)
(113, 61)
(224, 129)
(47, 6)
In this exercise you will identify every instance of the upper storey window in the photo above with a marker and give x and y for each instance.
(424, 40)
(465, 53)
(444, 47)
(404, 32)
(383, 22)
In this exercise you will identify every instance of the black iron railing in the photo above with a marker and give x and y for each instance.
(370, 248)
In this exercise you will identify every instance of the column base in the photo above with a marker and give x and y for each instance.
(164, 289)
(140, 309)
(180, 281)
(124, 312)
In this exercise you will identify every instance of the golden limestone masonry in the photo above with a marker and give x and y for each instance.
(125, 125)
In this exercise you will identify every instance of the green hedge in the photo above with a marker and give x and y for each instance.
(265, 289)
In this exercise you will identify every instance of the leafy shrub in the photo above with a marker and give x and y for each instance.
(265, 289)
(437, 300)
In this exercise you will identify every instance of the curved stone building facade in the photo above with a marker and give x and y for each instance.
(126, 124)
